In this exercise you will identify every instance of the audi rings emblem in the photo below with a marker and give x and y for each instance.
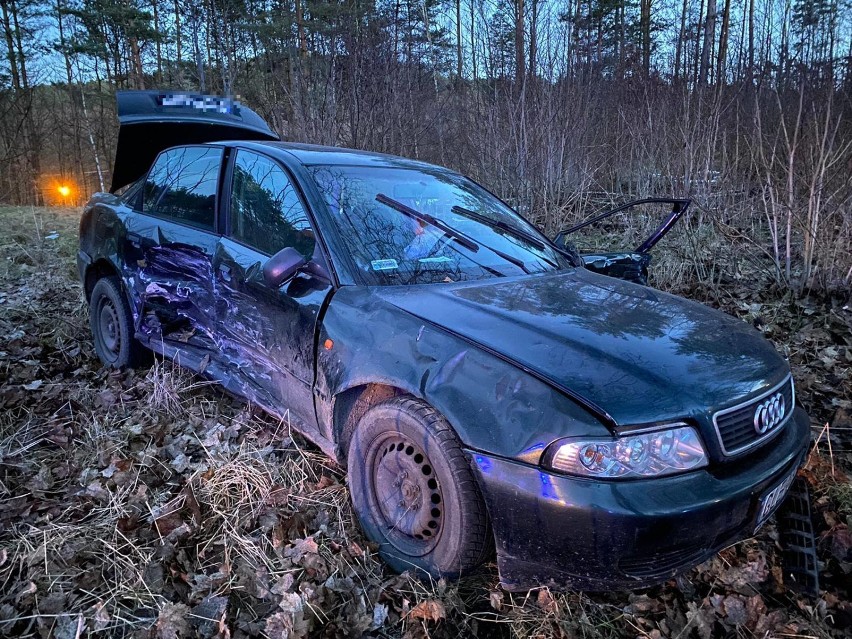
(770, 413)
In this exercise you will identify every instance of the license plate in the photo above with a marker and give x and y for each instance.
(771, 500)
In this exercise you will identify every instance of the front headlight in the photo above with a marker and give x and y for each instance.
(652, 454)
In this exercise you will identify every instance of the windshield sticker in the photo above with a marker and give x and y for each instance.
(435, 260)
(384, 265)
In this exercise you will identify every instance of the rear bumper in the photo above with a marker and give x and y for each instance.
(566, 532)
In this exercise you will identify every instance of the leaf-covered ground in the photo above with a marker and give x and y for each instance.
(148, 503)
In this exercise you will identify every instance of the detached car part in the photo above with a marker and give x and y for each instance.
(633, 265)
(484, 389)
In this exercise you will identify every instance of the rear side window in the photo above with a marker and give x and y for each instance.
(266, 212)
(182, 185)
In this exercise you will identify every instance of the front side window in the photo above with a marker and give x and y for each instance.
(266, 212)
(420, 226)
(182, 185)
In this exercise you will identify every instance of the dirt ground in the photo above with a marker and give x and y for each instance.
(149, 504)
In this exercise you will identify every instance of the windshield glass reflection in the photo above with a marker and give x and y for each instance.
(401, 227)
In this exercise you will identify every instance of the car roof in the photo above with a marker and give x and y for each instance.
(313, 154)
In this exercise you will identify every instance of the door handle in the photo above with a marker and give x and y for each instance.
(135, 239)
(225, 272)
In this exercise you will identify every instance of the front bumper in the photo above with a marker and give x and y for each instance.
(569, 532)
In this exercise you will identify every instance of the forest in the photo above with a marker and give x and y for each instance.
(559, 107)
(149, 503)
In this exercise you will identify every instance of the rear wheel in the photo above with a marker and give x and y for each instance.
(414, 492)
(112, 326)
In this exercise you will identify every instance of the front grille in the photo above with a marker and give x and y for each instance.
(735, 425)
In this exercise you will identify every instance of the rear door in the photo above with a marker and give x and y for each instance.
(268, 333)
(172, 243)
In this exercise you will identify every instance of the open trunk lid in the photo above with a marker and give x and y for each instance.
(151, 121)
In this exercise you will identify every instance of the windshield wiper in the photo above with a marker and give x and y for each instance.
(500, 224)
(462, 239)
(508, 228)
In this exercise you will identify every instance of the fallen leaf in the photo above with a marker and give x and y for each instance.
(840, 543)
(380, 615)
(68, 627)
(100, 616)
(735, 610)
(701, 619)
(324, 482)
(172, 622)
(26, 592)
(290, 622)
(756, 608)
(546, 602)
(429, 610)
(284, 584)
(300, 548)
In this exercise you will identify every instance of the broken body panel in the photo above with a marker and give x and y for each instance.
(513, 363)
(200, 299)
(631, 266)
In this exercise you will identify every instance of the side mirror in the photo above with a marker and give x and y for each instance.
(282, 266)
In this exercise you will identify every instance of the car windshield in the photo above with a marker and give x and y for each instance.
(419, 226)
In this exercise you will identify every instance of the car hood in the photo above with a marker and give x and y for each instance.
(640, 354)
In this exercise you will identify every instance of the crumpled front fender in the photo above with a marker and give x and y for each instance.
(494, 406)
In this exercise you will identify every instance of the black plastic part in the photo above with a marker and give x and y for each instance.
(282, 266)
(801, 568)
(632, 267)
(626, 265)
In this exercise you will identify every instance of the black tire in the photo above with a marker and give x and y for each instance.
(112, 326)
(413, 490)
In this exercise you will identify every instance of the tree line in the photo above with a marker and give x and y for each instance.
(558, 106)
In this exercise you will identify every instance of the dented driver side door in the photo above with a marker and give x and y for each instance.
(268, 332)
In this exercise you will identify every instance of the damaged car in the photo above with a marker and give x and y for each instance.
(486, 388)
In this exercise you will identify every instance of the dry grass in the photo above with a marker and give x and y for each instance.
(169, 386)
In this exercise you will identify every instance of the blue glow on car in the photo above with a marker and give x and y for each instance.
(483, 462)
(532, 449)
(548, 491)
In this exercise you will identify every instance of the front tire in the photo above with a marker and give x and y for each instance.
(111, 322)
(413, 490)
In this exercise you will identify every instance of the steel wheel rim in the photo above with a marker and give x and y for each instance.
(109, 331)
(406, 494)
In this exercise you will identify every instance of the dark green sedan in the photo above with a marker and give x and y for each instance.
(483, 387)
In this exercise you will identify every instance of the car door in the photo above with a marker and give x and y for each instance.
(170, 247)
(268, 332)
(631, 265)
